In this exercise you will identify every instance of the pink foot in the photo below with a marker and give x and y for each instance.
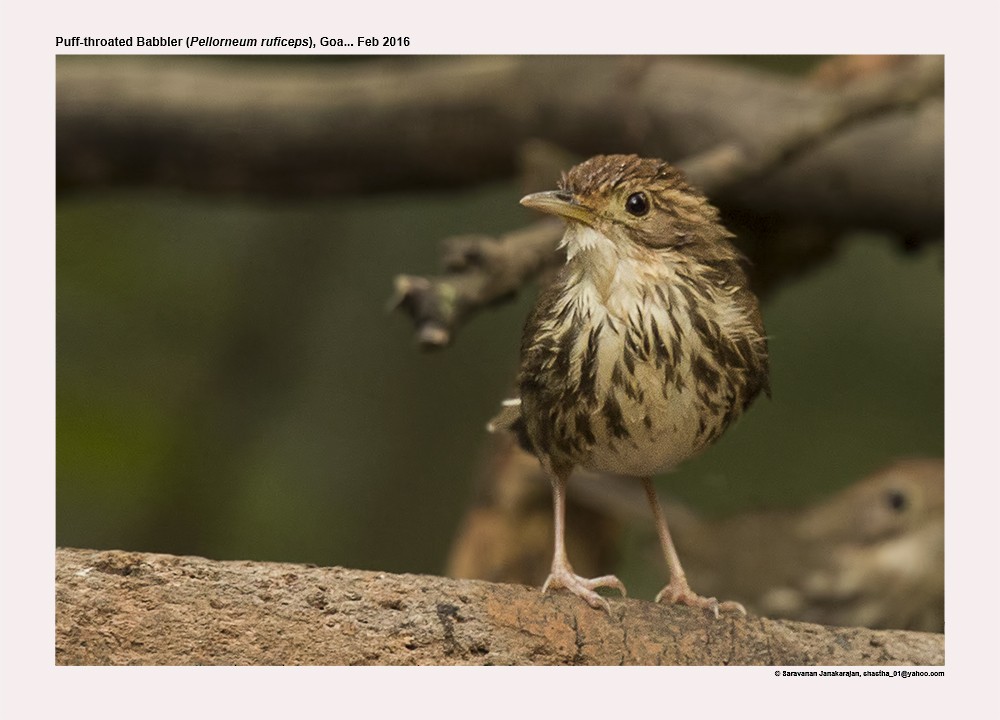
(679, 593)
(583, 587)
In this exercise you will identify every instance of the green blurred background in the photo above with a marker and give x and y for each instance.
(230, 382)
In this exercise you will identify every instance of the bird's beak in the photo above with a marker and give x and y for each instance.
(561, 203)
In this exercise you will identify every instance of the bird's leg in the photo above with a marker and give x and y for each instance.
(677, 590)
(562, 575)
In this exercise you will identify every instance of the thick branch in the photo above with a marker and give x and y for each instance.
(734, 163)
(116, 607)
(321, 128)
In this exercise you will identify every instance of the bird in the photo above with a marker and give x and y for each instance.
(640, 353)
(872, 555)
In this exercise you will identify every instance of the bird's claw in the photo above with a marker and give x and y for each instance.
(679, 593)
(584, 587)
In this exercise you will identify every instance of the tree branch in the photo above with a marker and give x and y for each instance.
(307, 128)
(482, 271)
(900, 86)
(117, 608)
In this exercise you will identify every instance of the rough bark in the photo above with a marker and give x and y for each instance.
(129, 608)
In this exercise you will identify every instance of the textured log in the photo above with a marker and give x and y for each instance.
(128, 608)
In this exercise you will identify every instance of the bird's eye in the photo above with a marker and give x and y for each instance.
(897, 500)
(637, 204)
